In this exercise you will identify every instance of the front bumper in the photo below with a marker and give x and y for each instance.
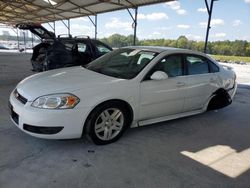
(66, 123)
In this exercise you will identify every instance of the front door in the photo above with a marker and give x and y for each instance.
(160, 98)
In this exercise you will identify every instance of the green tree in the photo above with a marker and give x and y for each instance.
(237, 47)
(182, 42)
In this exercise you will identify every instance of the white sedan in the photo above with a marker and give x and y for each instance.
(129, 87)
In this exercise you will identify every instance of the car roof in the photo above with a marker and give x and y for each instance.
(80, 39)
(160, 49)
(73, 39)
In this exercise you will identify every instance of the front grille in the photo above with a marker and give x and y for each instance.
(19, 97)
(42, 130)
(13, 114)
(15, 117)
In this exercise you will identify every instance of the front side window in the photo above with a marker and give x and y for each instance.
(102, 49)
(197, 65)
(122, 63)
(213, 67)
(171, 65)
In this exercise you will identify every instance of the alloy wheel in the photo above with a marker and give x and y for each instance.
(109, 124)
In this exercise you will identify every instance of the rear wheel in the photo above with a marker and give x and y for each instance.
(220, 100)
(107, 123)
(69, 65)
(45, 68)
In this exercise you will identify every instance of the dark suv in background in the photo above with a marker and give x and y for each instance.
(57, 52)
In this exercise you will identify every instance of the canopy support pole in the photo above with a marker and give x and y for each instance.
(134, 25)
(67, 25)
(24, 40)
(17, 36)
(53, 27)
(94, 24)
(209, 11)
(32, 40)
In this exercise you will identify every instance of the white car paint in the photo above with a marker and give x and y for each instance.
(151, 101)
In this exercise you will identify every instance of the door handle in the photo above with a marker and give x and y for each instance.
(180, 84)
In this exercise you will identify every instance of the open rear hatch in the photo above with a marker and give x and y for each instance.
(37, 29)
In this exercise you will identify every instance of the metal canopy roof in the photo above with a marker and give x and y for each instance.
(42, 11)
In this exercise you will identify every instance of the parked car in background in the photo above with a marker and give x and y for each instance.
(2, 47)
(129, 87)
(62, 51)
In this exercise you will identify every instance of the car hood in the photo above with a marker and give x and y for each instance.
(64, 80)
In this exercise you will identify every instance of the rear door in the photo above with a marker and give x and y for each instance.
(37, 29)
(201, 82)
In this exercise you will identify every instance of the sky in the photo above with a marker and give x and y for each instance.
(230, 21)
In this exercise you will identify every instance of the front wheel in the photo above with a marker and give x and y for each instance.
(107, 123)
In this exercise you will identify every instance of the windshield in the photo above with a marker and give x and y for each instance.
(122, 63)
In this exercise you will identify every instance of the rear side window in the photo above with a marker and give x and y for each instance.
(213, 67)
(196, 65)
(81, 47)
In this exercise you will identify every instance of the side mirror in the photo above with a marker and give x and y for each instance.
(159, 75)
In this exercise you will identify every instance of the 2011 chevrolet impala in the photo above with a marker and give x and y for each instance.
(129, 87)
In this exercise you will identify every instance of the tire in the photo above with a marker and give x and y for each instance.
(220, 100)
(68, 65)
(45, 66)
(107, 123)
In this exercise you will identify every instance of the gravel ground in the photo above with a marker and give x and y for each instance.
(242, 72)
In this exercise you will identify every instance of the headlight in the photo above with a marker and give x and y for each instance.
(56, 101)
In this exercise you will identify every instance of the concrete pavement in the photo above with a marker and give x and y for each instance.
(206, 150)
